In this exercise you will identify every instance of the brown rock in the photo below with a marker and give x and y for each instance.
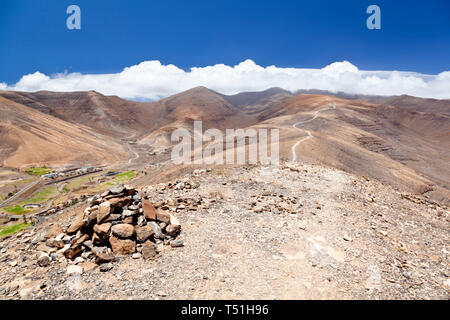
(76, 247)
(103, 211)
(98, 239)
(72, 252)
(79, 241)
(53, 243)
(76, 224)
(122, 246)
(163, 217)
(112, 217)
(103, 257)
(123, 230)
(144, 233)
(90, 219)
(128, 220)
(87, 266)
(119, 202)
(103, 228)
(129, 190)
(149, 210)
(148, 250)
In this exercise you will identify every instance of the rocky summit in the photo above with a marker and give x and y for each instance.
(302, 232)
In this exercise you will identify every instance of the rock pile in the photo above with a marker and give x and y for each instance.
(275, 203)
(184, 184)
(117, 222)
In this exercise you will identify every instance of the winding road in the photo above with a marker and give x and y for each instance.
(21, 192)
(136, 155)
(309, 135)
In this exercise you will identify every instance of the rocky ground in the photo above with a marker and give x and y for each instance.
(304, 232)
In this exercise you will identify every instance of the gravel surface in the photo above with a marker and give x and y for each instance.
(304, 232)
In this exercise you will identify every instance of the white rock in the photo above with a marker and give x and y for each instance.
(60, 236)
(74, 283)
(79, 260)
(86, 254)
(64, 249)
(136, 255)
(174, 220)
(67, 239)
(74, 269)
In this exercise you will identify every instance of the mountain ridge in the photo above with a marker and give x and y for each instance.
(401, 133)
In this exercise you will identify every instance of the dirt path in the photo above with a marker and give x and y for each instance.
(309, 135)
(136, 155)
(294, 154)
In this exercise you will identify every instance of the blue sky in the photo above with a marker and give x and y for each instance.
(414, 35)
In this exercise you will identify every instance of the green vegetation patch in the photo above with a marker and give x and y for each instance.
(36, 198)
(14, 209)
(6, 231)
(74, 184)
(125, 176)
(38, 171)
(101, 186)
(42, 196)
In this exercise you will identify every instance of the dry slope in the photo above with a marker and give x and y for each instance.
(30, 137)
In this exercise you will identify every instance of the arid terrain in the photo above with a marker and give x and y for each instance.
(403, 141)
(306, 232)
(357, 209)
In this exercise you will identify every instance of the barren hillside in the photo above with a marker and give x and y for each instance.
(404, 141)
(30, 137)
(399, 146)
(106, 114)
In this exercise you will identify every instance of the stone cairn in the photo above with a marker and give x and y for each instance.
(116, 223)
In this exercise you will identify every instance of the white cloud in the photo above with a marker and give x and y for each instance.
(152, 80)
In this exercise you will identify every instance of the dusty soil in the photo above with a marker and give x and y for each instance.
(304, 232)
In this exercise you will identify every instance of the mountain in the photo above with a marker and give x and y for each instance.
(400, 146)
(415, 103)
(253, 102)
(31, 137)
(106, 114)
(402, 101)
(403, 141)
(200, 103)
